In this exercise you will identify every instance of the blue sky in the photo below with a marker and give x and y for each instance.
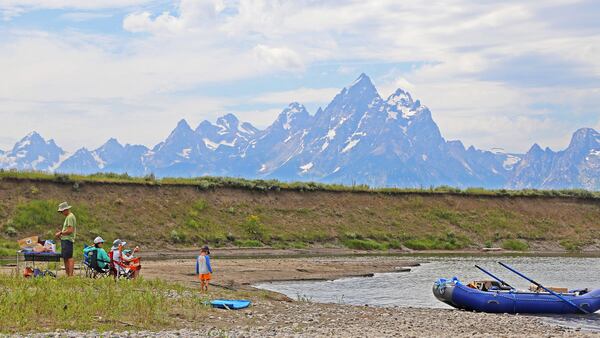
(495, 74)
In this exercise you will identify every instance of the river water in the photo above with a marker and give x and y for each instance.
(414, 288)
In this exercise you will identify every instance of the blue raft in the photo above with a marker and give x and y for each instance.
(230, 304)
(458, 295)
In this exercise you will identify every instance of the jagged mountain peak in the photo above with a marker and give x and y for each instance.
(535, 149)
(204, 124)
(112, 143)
(183, 124)
(362, 86)
(294, 108)
(30, 139)
(400, 97)
(182, 129)
(228, 121)
(291, 117)
(82, 150)
(585, 137)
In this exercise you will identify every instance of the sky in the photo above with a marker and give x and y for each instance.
(496, 74)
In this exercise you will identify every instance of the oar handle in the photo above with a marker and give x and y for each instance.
(545, 288)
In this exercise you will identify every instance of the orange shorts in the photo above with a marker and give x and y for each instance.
(205, 276)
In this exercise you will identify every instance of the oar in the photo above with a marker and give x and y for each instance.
(494, 277)
(545, 288)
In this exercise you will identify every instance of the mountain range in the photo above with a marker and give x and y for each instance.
(359, 137)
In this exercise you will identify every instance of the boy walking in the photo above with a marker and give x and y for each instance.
(203, 268)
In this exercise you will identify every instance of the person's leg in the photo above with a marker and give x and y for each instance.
(66, 262)
(71, 264)
(64, 248)
(68, 253)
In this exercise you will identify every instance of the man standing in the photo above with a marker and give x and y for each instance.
(67, 237)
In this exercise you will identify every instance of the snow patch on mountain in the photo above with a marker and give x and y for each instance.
(510, 161)
(185, 153)
(350, 145)
(99, 160)
(305, 168)
(331, 134)
(210, 144)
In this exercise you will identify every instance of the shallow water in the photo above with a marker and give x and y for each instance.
(414, 288)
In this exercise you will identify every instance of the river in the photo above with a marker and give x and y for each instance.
(414, 288)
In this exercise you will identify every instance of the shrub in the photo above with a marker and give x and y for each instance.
(10, 231)
(248, 243)
(200, 205)
(254, 228)
(450, 242)
(177, 237)
(363, 244)
(571, 246)
(515, 245)
(394, 244)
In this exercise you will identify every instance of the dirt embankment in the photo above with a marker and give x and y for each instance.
(180, 216)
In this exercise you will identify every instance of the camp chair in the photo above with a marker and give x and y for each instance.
(97, 271)
(122, 269)
(90, 264)
(86, 262)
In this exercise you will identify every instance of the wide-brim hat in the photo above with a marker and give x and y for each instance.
(98, 240)
(63, 206)
(118, 242)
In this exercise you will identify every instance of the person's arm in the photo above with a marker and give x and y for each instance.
(197, 267)
(208, 264)
(67, 231)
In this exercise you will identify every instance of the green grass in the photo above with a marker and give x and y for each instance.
(249, 243)
(45, 304)
(449, 242)
(515, 245)
(571, 245)
(210, 182)
(364, 244)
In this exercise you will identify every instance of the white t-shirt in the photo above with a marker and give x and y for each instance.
(116, 255)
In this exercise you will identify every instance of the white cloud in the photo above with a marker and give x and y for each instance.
(303, 95)
(142, 22)
(278, 57)
(260, 118)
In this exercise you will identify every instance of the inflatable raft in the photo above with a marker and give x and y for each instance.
(499, 299)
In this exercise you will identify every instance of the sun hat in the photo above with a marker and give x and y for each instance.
(118, 242)
(63, 206)
(98, 240)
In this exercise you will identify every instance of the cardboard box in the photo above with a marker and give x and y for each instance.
(534, 288)
(28, 242)
(39, 248)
